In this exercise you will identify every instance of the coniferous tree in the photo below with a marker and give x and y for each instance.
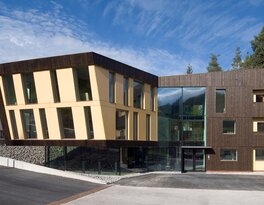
(256, 60)
(258, 48)
(189, 69)
(213, 64)
(237, 61)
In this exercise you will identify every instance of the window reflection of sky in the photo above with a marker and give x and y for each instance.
(171, 95)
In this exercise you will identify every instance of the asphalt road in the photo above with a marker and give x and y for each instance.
(197, 181)
(24, 187)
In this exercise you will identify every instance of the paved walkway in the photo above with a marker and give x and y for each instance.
(197, 181)
(29, 188)
(124, 195)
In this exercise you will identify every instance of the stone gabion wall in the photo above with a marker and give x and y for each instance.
(31, 154)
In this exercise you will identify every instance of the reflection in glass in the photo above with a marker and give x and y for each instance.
(192, 130)
(9, 90)
(228, 154)
(55, 86)
(89, 122)
(44, 124)
(229, 127)
(66, 122)
(13, 124)
(152, 98)
(147, 127)
(125, 89)
(181, 114)
(111, 87)
(121, 124)
(28, 122)
(138, 94)
(84, 85)
(193, 101)
(135, 126)
(220, 101)
(260, 154)
(29, 88)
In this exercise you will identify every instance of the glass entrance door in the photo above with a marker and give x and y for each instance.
(193, 159)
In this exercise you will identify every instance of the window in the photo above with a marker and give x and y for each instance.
(125, 87)
(220, 101)
(111, 87)
(258, 125)
(66, 122)
(28, 122)
(29, 88)
(121, 124)
(89, 122)
(258, 95)
(9, 88)
(229, 127)
(260, 154)
(147, 127)
(55, 86)
(192, 130)
(228, 155)
(152, 98)
(138, 94)
(13, 124)
(135, 126)
(44, 125)
(84, 86)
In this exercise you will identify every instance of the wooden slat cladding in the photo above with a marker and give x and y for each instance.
(239, 86)
(81, 59)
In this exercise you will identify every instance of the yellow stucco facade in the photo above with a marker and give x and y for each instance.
(102, 111)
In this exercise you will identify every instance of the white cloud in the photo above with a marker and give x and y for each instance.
(32, 34)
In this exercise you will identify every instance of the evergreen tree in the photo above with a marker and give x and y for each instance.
(189, 69)
(213, 64)
(237, 61)
(258, 48)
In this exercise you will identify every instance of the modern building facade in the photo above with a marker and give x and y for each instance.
(97, 112)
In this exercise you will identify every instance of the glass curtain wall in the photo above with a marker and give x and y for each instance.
(181, 114)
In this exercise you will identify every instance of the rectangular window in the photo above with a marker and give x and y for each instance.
(260, 126)
(29, 88)
(121, 124)
(13, 124)
(44, 124)
(125, 88)
(152, 98)
(9, 88)
(55, 86)
(220, 101)
(138, 94)
(84, 86)
(228, 155)
(229, 127)
(28, 122)
(89, 122)
(66, 122)
(135, 126)
(260, 154)
(111, 87)
(258, 95)
(147, 127)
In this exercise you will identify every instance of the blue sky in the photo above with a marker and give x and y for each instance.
(159, 36)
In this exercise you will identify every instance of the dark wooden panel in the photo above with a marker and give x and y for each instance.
(244, 160)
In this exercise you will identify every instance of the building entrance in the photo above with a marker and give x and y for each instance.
(193, 160)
